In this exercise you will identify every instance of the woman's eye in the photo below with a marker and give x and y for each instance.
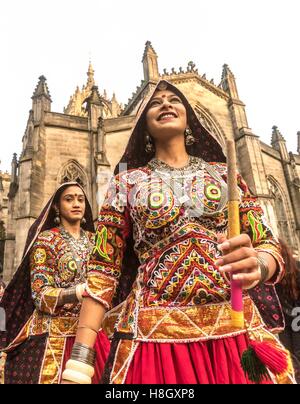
(176, 100)
(154, 103)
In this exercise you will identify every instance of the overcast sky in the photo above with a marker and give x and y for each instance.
(259, 39)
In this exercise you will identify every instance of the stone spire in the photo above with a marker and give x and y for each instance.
(95, 97)
(276, 136)
(41, 100)
(90, 74)
(41, 89)
(14, 168)
(298, 147)
(278, 143)
(228, 82)
(150, 63)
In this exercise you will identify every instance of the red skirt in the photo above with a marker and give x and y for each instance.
(102, 346)
(211, 362)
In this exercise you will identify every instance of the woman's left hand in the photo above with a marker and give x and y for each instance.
(239, 259)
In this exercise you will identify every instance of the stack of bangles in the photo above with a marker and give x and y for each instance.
(73, 294)
(80, 368)
(264, 269)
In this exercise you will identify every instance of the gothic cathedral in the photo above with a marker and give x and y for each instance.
(86, 141)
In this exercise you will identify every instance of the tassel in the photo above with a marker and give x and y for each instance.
(253, 367)
(261, 357)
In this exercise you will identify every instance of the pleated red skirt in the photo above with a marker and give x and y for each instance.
(210, 362)
(102, 347)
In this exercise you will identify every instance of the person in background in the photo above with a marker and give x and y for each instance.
(43, 300)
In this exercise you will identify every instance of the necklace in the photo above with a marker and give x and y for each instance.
(180, 181)
(192, 165)
(79, 246)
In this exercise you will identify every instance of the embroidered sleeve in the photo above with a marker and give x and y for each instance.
(104, 268)
(45, 294)
(253, 222)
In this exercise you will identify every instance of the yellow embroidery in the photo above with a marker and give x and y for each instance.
(40, 256)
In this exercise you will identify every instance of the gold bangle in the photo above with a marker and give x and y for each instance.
(80, 367)
(88, 328)
(76, 377)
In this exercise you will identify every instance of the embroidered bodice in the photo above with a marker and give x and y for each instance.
(173, 216)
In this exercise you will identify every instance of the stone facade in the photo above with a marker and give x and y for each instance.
(4, 190)
(87, 140)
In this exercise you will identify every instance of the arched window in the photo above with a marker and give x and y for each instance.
(281, 211)
(73, 172)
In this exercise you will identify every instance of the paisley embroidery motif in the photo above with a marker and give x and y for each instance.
(101, 243)
(258, 230)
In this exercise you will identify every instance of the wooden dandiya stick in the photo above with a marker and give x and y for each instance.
(237, 309)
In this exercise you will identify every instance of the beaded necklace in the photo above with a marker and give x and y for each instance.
(180, 178)
(81, 247)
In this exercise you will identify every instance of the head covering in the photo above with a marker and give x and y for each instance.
(206, 145)
(17, 299)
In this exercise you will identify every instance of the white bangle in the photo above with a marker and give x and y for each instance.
(80, 367)
(76, 377)
(79, 291)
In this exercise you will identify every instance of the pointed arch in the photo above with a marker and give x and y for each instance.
(282, 210)
(72, 171)
(210, 123)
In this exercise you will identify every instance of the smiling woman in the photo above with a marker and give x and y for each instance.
(162, 261)
(43, 300)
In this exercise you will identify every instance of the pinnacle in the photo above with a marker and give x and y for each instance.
(148, 49)
(42, 89)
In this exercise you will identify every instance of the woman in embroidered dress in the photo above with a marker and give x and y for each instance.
(42, 302)
(161, 262)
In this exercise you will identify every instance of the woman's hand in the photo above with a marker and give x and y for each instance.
(239, 259)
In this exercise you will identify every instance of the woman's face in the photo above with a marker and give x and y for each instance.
(72, 204)
(166, 115)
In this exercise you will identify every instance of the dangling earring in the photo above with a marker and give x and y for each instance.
(189, 138)
(57, 218)
(149, 144)
(83, 221)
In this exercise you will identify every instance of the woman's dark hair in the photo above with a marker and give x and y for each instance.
(290, 281)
